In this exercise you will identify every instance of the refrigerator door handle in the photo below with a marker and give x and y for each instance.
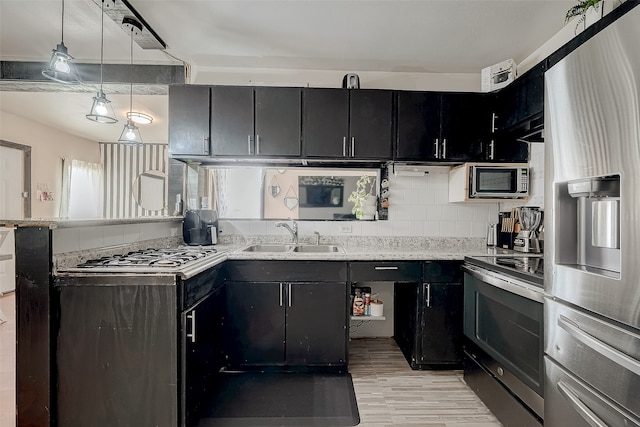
(580, 407)
(616, 356)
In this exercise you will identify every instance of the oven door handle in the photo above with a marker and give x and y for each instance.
(616, 356)
(514, 286)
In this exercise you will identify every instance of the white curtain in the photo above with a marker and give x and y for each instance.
(82, 190)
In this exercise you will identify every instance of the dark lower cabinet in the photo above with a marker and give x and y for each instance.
(428, 317)
(136, 350)
(255, 323)
(299, 324)
(202, 353)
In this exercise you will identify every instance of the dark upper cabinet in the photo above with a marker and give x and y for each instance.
(465, 125)
(189, 120)
(347, 124)
(442, 126)
(418, 125)
(232, 127)
(370, 124)
(522, 100)
(262, 121)
(277, 121)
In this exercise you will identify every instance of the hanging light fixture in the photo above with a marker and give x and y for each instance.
(131, 133)
(101, 110)
(61, 67)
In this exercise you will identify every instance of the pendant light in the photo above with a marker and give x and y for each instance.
(131, 133)
(101, 110)
(61, 67)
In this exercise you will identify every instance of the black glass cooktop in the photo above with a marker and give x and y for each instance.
(525, 267)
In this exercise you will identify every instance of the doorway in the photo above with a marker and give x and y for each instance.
(15, 180)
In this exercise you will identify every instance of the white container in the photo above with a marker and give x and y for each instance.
(377, 308)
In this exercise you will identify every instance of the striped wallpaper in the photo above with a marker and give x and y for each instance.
(122, 164)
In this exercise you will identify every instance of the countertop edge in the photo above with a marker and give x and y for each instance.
(76, 223)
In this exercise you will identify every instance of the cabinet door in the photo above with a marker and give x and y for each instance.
(255, 323)
(278, 121)
(370, 124)
(533, 92)
(316, 324)
(232, 121)
(418, 125)
(202, 339)
(188, 120)
(441, 321)
(510, 151)
(506, 105)
(325, 123)
(465, 125)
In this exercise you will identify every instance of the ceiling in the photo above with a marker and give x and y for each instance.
(428, 36)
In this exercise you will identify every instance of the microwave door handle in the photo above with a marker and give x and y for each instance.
(581, 408)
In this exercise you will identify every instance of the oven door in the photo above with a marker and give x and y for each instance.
(506, 321)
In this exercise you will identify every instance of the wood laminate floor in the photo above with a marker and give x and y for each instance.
(388, 392)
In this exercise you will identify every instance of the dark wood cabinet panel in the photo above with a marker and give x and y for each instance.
(277, 121)
(316, 324)
(325, 122)
(255, 327)
(370, 124)
(189, 130)
(441, 314)
(418, 125)
(232, 128)
(203, 355)
(465, 126)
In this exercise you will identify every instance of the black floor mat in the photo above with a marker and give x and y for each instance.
(282, 399)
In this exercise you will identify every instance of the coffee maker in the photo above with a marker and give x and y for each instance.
(527, 238)
(200, 227)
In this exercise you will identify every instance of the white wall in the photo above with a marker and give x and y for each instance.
(460, 82)
(48, 147)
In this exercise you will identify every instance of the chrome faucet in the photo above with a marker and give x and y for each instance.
(292, 229)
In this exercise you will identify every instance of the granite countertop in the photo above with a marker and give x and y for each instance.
(74, 223)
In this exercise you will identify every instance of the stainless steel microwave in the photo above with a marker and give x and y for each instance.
(472, 181)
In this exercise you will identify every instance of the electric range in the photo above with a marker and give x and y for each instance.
(528, 268)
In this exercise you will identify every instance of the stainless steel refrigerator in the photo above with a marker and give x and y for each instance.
(592, 260)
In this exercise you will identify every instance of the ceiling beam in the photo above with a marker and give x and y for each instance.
(21, 76)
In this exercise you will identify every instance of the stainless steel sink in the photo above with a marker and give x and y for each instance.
(318, 248)
(293, 248)
(269, 248)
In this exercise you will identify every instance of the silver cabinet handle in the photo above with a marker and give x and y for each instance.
(257, 144)
(444, 148)
(205, 150)
(289, 294)
(353, 146)
(192, 316)
(281, 286)
(582, 409)
(249, 144)
(344, 146)
(616, 356)
(391, 267)
(437, 148)
(491, 149)
(493, 122)
(428, 294)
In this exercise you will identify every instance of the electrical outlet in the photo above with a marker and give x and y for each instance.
(345, 228)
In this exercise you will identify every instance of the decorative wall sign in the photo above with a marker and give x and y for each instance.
(274, 187)
(291, 199)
